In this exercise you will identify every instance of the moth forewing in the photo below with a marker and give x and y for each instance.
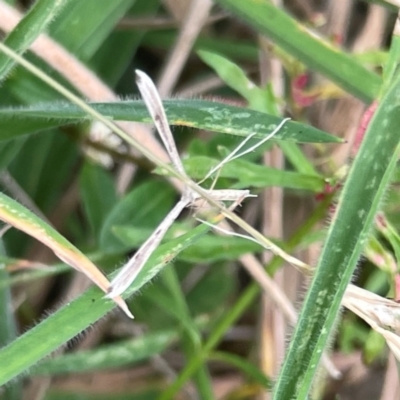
(154, 105)
(132, 269)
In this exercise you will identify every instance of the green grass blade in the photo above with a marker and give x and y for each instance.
(247, 297)
(92, 23)
(116, 355)
(191, 336)
(236, 78)
(30, 27)
(199, 114)
(313, 52)
(359, 202)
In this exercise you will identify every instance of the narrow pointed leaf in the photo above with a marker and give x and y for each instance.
(359, 202)
(199, 114)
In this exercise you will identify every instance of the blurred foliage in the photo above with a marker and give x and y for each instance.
(198, 318)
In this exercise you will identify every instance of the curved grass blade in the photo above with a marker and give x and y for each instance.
(309, 49)
(199, 114)
(358, 204)
(21, 218)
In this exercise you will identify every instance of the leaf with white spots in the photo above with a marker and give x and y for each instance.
(200, 114)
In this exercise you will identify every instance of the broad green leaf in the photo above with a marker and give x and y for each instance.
(146, 307)
(193, 113)
(42, 340)
(145, 206)
(169, 298)
(221, 280)
(98, 195)
(314, 52)
(21, 218)
(358, 204)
